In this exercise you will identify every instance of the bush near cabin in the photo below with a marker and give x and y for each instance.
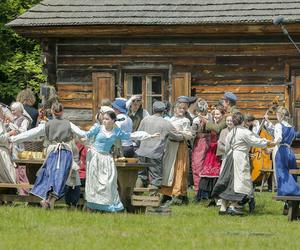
(20, 63)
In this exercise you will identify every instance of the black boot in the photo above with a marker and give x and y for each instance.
(251, 205)
(285, 209)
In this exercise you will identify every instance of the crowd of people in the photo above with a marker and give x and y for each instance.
(188, 145)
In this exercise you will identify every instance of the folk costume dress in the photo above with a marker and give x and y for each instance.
(211, 166)
(284, 159)
(235, 181)
(56, 169)
(201, 146)
(176, 160)
(101, 186)
(7, 168)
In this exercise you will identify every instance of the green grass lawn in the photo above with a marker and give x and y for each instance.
(189, 227)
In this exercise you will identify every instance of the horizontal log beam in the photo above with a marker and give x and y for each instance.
(151, 30)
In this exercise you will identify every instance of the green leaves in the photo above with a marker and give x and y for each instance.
(20, 64)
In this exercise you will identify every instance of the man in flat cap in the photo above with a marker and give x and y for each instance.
(151, 151)
(187, 100)
(229, 104)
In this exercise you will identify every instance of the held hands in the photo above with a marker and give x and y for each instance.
(155, 135)
(271, 143)
(268, 150)
(12, 133)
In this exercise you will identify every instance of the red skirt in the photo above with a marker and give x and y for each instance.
(212, 163)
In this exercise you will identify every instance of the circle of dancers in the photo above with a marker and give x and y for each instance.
(187, 144)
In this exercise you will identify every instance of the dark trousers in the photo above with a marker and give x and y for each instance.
(151, 174)
(72, 195)
(128, 151)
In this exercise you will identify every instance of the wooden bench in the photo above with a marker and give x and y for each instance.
(12, 185)
(293, 202)
(127, 175)
(295, 171)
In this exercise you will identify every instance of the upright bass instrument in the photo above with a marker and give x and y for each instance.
(259, 159)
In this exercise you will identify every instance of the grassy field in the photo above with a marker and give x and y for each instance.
(189, 227)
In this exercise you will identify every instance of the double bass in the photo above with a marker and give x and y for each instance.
(260, 160)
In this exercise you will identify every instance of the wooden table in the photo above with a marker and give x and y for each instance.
(127, 176)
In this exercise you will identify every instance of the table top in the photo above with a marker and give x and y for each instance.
(118, 164)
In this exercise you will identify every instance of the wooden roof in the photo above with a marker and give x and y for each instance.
(156, 12)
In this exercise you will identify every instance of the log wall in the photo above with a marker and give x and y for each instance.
(252, 68)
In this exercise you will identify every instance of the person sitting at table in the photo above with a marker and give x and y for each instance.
(20, 122)
(7, 168)
(53, 175)
(101, 188)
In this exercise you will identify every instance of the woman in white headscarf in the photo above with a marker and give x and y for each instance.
(7, 169)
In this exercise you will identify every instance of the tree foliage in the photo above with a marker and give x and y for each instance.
(20, 64)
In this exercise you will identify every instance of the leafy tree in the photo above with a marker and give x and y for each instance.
(20, 64)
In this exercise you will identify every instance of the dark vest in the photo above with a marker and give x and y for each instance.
(136, 119)
(58, 130)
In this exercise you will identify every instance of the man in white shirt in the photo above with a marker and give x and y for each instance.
(125, 123)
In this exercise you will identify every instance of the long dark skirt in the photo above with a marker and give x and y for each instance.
(53, 174)
(224, 188)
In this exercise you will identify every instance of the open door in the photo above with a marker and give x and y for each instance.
(181, 85)
(103, 87)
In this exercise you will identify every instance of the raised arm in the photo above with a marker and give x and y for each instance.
(217, 127)
(94, 130)
(29, 134)
(77, 131)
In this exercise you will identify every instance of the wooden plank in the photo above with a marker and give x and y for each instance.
(12, 185)
(31, 199)
(142, 190)
(240, 89)
(258, 104)
(85, 115)
(233, 69)
(155, 30)
(89, 50)
(71, 86)
(139, 200)
(255, 80)
(210, 50)
(243, 96)
(66, 95)
(286, 198)
(294, 171)
(83, 104)
(116, 60)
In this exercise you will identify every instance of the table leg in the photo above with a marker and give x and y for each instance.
(126, 183)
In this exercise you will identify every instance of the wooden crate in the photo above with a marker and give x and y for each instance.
(145, 201)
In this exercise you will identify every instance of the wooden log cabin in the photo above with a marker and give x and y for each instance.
(165, 48)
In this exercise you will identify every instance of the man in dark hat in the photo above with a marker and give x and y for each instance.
(125, 123)
(151, 151)
(229, 104)
(186, 100)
